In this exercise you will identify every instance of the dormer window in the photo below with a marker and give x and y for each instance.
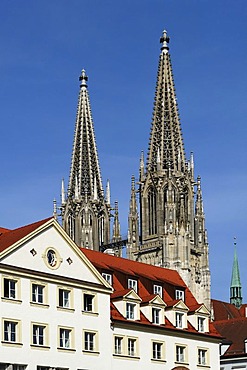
(201, 324)
(158, 290)
(132, 284)
(179, 320)
(130, 311)
(107, 277)
(156, 315)
(179, 294)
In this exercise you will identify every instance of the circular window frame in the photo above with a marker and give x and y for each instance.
(57, 257)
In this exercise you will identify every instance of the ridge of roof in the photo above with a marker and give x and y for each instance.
(3, 230)
(12, 236)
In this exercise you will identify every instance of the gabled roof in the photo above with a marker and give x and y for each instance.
(234, 330)
(224, 310)
(12, 236)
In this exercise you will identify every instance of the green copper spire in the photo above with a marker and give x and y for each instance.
(235, 289)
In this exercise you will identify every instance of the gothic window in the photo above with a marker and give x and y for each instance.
(101, 224)
(83, 219)
(71, 222)
(152, 212)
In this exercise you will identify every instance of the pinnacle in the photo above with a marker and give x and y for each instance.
(83, 78)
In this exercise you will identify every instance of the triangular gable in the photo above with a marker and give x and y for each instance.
(179, 305)
(29, 252)
(131, 295)
(202, 309)
(153, 299)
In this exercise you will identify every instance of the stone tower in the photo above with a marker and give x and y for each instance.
(236, 288)
(172, 222)
(85, 210)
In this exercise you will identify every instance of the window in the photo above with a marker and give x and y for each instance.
(118, 345)
(158, 290)
(157, 350)
(130, 311)
(180, 353)
(37, 293)
(179, 294)
(202, 356)
(88, 302)
(156, 315)
(10, 331)
(131, 347)
(39, 334)
(107, 277)
(65, 338)
(201, 324)
(89, 341)
(132, 284)
(9, 288)
(179, 320)
(64, 298)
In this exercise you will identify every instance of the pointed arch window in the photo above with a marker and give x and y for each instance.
(101, 224)
(71, 224)
(152, 211)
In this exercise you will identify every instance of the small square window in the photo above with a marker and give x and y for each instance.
(179, 320)
(202, 356)
(156, 316)
(107, 277)
(132, 284)
(179, 294)
(158, 290)
(157, 350)
(130, 311)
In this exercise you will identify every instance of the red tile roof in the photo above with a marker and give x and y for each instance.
(224, 310)
(12, 236)
(3, 230)
(234, 330)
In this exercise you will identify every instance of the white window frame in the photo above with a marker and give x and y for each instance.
(10, 288)
(202, 356)
(133, 284)
(181, 353)
(131, 347)
(88, 306)
(90, 341)
(118, 345)
(156, 312)
(158, 289)
(201, 324)
(179, 294)
(38, 293)
(64, 298)
(65, 338)
(179, 318)
(157, 350)
(107, 277)
(10, 331)
(130, 311)
(39, 334)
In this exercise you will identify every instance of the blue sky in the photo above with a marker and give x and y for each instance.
(45, 44)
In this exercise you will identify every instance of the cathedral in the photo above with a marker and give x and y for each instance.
(166, 222)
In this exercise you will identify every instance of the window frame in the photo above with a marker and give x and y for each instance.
(158, 289)
(65, 303)
(156, 312)
(179, 294)
(201, 324)
(179, 320)
(181, 353)
(118, 347)
(16, 332)
(131, 347)
(202, 356)
(133, 284)
(107, 277)
(158, 354)
(65, 338)
(130, 311)
(90, 341)
(13, 293)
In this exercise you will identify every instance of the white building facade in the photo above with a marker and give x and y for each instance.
(62, 308)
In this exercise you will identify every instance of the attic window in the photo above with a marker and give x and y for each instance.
(201, 324)
(179, 294)
(107, 277)
(130, 311)
(158, 290)
(132, 284)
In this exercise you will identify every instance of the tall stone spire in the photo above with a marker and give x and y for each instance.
(236, 288)
(133, 223)
(116, 235)
(86, 214)
(172, 224)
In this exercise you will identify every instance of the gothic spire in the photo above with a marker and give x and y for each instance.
(85, 211)
(133, 221)
(166, 136)
(235, 289)
(116, 225)
(85, 170)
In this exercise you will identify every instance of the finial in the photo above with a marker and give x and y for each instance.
(62, 193)
(83, 78)
(55, 209)
(108, 192)
(164, 40)
(95, 195)
(133, 182)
